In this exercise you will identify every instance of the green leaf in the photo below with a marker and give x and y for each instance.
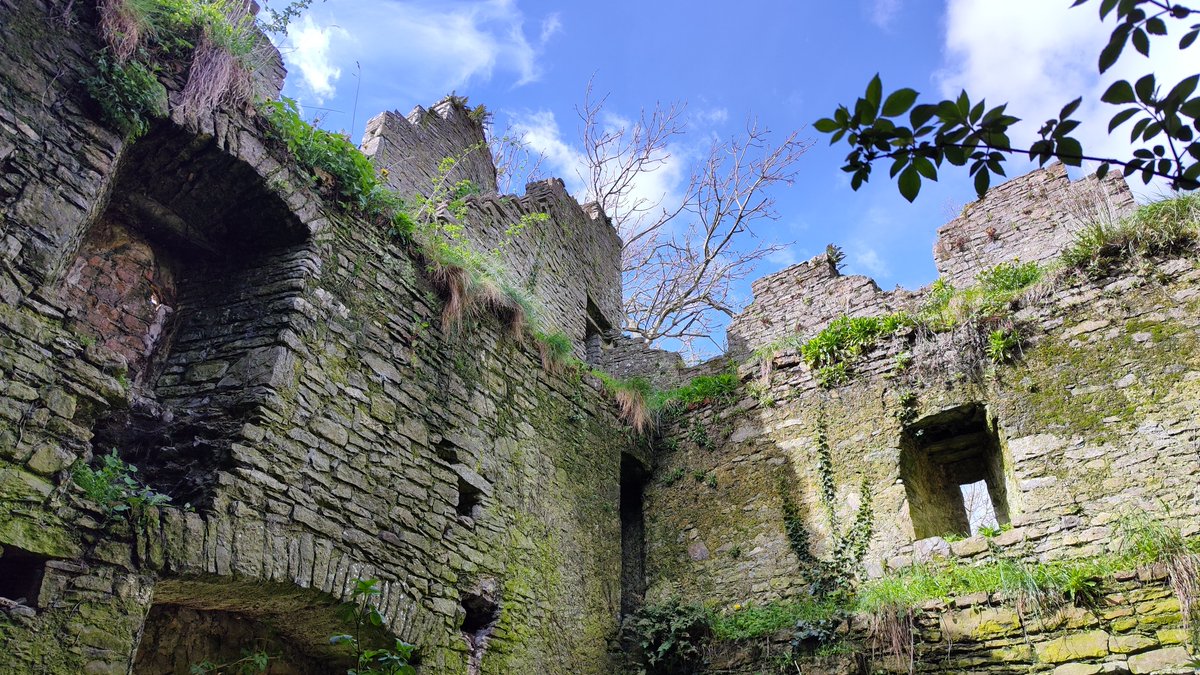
(899, 101)
(826, 126)
(1187, 40)
(874, 91)
(1112, 51)
(1156, 26)
(1120, 92)
(909, 183)
(1145, 89)
(982, 182)
(1180, 92)
(925, 167)
(921, 114)
(1121, 118)
(1141, 42)
(1070, 108)
(1070, 151)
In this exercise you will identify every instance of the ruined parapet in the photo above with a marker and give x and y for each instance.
(570, 260)
(630, 357)
(1030, 218)
(804, 298)
(411, 148)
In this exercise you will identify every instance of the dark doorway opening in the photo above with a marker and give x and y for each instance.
(633, 534)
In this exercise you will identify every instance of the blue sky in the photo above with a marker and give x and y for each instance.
(786, 62)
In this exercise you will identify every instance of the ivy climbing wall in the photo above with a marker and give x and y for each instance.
(1092, 422)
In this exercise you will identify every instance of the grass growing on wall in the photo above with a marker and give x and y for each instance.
(219, 38)
(1165, 227)
(701, 390)
(757, 620)
(1035, 588)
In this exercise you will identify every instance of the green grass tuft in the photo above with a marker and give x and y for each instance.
(1165, 227)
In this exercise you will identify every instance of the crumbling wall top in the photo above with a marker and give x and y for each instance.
(412, 147)
(1031, 217)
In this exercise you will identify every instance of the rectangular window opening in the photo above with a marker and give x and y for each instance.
(21, 575)
(953, 471)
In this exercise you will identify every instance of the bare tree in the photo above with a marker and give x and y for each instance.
(515, 160)
(683, 252)
(681, 259)
(617, 154)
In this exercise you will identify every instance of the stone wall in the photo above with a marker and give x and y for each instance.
(1030, 217)
(412, 147)
(801, 300)
(299, 402)
(1135, 626)
(569, 260)
(1094, 422)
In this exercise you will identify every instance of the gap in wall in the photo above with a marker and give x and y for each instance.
(940, 454)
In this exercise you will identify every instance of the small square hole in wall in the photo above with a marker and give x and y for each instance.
(954, 473)
(469, 501)
(21, 575)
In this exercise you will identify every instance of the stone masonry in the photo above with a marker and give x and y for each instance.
(569, 260)
(191, 301)
(1095, 421)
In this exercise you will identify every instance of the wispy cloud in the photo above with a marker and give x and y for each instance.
(551, 26)
(541, 132)
(311, 56)
(1037, 56)
(417, 50)
(869, 261)
(884, 12)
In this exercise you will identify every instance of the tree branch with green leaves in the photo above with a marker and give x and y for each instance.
(919, 138)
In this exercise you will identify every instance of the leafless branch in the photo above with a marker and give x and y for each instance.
(516, 161)
(681, 259)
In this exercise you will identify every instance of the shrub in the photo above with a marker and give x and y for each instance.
(129, 94)
(1003, 344)
(362, 613)
(331, 157)
(114, 487)
(1009, 277)
(669, 637)
(833, 350)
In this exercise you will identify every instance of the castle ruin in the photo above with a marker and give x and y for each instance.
(194, 303)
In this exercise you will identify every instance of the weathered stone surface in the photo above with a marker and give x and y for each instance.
(1078, 669)
(1088, 645)
(1168, 659)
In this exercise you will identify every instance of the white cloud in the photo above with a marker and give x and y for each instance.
(539, 130)
(551, 26)
(870, 261)
(884, 12)
(663, 185)
(710, 117)
(312, 58)
(1038, 56)
(416, 50)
